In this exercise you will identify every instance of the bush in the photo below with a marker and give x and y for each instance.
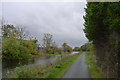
(17, 49)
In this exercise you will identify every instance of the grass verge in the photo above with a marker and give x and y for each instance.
(59, 70)
(51, 70)
(93, 68)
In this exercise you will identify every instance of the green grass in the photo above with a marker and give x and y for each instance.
(93, 68)
(61, 68)
(51, 70)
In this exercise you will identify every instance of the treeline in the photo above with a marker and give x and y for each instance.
(17, 44)
(102, 27)
(85, 47)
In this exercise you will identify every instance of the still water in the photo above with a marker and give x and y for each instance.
(12, 64)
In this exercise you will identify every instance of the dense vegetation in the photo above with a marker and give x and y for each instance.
(17, 49)
(17, 44)
(66, 48)
(102, 27)
(92, 66)
(85, 47)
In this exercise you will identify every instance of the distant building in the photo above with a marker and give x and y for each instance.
(40, 49)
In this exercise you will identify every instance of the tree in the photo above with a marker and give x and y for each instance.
(66, 48)
(86, 47)
(9, 31)
(76, 49)
(12, 31)
(21, 33)
(14, 45)
(50, 46)
(102, 27)
(47, 40)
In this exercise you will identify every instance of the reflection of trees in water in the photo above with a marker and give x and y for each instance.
(16, 63)
(10, 64)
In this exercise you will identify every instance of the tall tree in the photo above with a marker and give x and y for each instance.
(8, 31)
(21, 33)
(102, 26)
(47, 40)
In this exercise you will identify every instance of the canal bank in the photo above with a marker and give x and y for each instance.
(46, 60)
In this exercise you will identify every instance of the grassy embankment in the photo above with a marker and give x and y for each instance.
(93, 68)
(51, 70)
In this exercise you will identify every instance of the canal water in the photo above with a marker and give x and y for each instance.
(12, 64)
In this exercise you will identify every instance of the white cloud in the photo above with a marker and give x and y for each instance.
(63, 20)
(43, 0)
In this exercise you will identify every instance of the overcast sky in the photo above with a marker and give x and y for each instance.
(64, 20)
